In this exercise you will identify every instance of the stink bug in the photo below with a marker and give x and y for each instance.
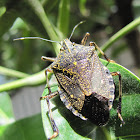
(86, 86)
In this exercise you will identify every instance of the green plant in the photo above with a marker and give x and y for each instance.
(69, 125)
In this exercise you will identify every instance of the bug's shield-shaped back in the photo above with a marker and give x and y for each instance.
(80, 73)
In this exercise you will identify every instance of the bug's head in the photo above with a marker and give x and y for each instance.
(66, 45)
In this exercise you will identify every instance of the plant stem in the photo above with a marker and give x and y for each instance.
(120, 34)
(36, 5)
(32, 80)
(12, 73)
(63, 16)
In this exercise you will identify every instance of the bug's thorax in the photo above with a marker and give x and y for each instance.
(70, 53)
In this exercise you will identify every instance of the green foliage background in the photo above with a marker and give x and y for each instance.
(55, 20)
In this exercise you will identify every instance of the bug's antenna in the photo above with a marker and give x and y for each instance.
(75, 28)
(22, 38)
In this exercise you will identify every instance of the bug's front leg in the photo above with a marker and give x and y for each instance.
(96, 46)
(120, 95)
(48, 97)
(44, 58)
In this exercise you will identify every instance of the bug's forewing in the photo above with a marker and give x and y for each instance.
(101, 79)
(72, 91)
(82, 75)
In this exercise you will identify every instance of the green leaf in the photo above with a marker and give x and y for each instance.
(71, 126)
(10, 16)
(130, 104)
(25, 129)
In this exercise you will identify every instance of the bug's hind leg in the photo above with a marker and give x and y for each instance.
(48, 97)
(120, 95)
(84, 40)
(96, 46)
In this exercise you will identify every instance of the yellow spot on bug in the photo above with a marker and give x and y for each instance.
(71, 96)
(75, 63)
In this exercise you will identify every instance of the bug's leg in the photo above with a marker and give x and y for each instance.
(53, 124)
(120, 95)
(48, 97)
(84, 40)
(47, 80)
(94, 44)
(44, 58)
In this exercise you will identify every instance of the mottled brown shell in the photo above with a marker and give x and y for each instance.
(81, 75)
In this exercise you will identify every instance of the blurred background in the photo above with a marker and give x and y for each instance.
(19, 18)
